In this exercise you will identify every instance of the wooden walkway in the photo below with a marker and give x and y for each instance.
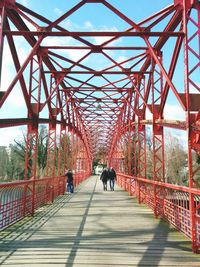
(94, 228)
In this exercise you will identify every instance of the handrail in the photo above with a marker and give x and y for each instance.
(19, 199)
(167, 185)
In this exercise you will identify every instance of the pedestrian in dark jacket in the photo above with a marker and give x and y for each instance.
(70, 185)
(104, 178)
(112, 178)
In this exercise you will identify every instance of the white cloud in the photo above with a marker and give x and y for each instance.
(174, 112)
(15, 102)
(7, 59)
(88, 25)
(171, 112)
(9, 134)
(68, 24)
(179, 134)
(22, 54)
(23, 2)
(121, 59)
(22, 51)
(56, 41)
(58, 11)
(16, 99)
(148, 114)
(101, 39)
(75, 55)
(193, 89)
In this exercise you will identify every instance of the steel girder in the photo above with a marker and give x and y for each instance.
(106, 109)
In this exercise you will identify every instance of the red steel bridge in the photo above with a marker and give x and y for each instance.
(104, 104)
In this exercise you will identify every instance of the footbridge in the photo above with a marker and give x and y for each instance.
(100, 83)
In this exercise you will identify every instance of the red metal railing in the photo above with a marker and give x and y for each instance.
(20, 199)
(170, 202)
(80, 177)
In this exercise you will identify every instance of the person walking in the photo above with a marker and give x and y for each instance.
(104, 178)
(112, 178)
(70, 184)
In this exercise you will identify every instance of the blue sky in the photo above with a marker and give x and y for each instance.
(136, 10)
(90, 17)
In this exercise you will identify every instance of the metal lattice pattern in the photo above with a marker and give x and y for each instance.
(72, 80)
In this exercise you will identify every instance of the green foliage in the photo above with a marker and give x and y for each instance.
(131, 154)
(42, 148)
(197, 158)
(175, 162)
(20, 151)
(15, 167)
(4, 159)
(12, 159)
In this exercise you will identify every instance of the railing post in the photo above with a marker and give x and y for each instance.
(52, 156)
(158, 134)
(30, 170)
(141, 170)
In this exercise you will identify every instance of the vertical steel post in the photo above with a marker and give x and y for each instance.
(52, 144)
(30, 168)
(158, 134)
(62, 151)
(2, 27)
(51, 150)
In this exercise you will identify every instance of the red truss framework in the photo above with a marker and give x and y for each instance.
(105, 108)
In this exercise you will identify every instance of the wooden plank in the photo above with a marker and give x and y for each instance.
(93, 227)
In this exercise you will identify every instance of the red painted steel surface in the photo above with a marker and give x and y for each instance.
(92, 110)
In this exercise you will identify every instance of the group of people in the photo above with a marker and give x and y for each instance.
(108, 174)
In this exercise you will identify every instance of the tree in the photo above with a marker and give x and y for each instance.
(20, 150)
(42, 150)
(196, 168)
(15, 166)
(12, 159)
(4, 160)
(175, 161)
(149, 153)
